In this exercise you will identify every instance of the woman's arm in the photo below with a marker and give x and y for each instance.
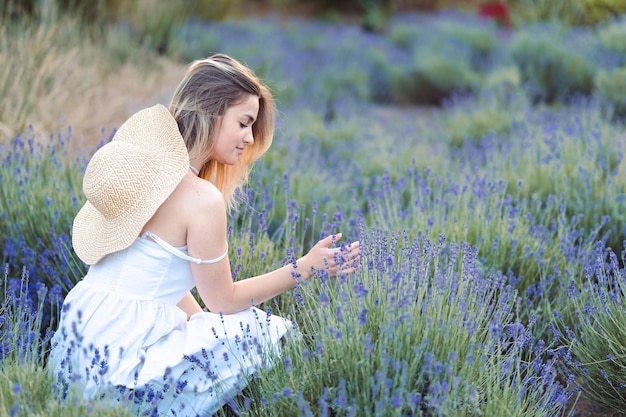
(225, 296)
(206, 239)
(239, 295)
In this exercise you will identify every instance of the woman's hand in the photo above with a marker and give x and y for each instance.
(322, 259)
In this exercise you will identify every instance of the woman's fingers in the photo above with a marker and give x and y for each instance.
(329, 240)
(346, 259)
(343, 259)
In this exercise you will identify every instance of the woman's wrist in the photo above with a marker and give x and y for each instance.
(300, 270)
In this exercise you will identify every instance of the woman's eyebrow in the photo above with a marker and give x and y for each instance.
(250, 118)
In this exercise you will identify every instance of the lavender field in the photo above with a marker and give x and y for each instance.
(480, 166)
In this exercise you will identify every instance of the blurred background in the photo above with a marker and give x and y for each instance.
(89, 64)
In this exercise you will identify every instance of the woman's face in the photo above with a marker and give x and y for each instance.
(234, 131)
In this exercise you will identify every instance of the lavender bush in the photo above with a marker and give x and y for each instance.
(40, 188)
(480, 219)
(26, 389)
(596, 342)
(550, 70)
(611, 86)
(428, 332)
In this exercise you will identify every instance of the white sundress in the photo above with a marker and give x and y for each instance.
(121, 336)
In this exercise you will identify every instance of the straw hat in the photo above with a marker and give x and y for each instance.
(126, 181)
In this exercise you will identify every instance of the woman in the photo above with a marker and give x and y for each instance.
(153, 228)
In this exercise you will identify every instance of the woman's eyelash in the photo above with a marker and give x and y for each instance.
(243, 125)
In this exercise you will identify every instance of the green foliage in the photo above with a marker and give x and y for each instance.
(476, 125)
(480, 40)
(550, 70)
(88, 12)
(528, 11)
(447, 58)
(16, 9)
(26, 391)
(373, 14)
(375, 18)
(192, 42)
(433, 78)
(408, 340)
(477, 210)
(503, 77)
(374, 157)
(611, 87)
(597, 342)
(281, 3)
(583, 12)
(154, 23)
(473, 121)
(545, 161)
(41, 185)
(96, 11)
(405, 36)
(613, 36)
(120, 46)
(379, 80)
(502, 90)
(596, 11)
(26, 385)
(32, 55)
(213, 9)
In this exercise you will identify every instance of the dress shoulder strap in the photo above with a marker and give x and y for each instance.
(177, 252)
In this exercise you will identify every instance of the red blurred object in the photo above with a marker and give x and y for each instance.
(497, 10)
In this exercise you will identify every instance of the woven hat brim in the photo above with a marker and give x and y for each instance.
(94, 235)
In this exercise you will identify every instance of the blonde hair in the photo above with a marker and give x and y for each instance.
(209, 87)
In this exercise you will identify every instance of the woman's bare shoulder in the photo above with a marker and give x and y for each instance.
(193, 204)
(195, 193)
